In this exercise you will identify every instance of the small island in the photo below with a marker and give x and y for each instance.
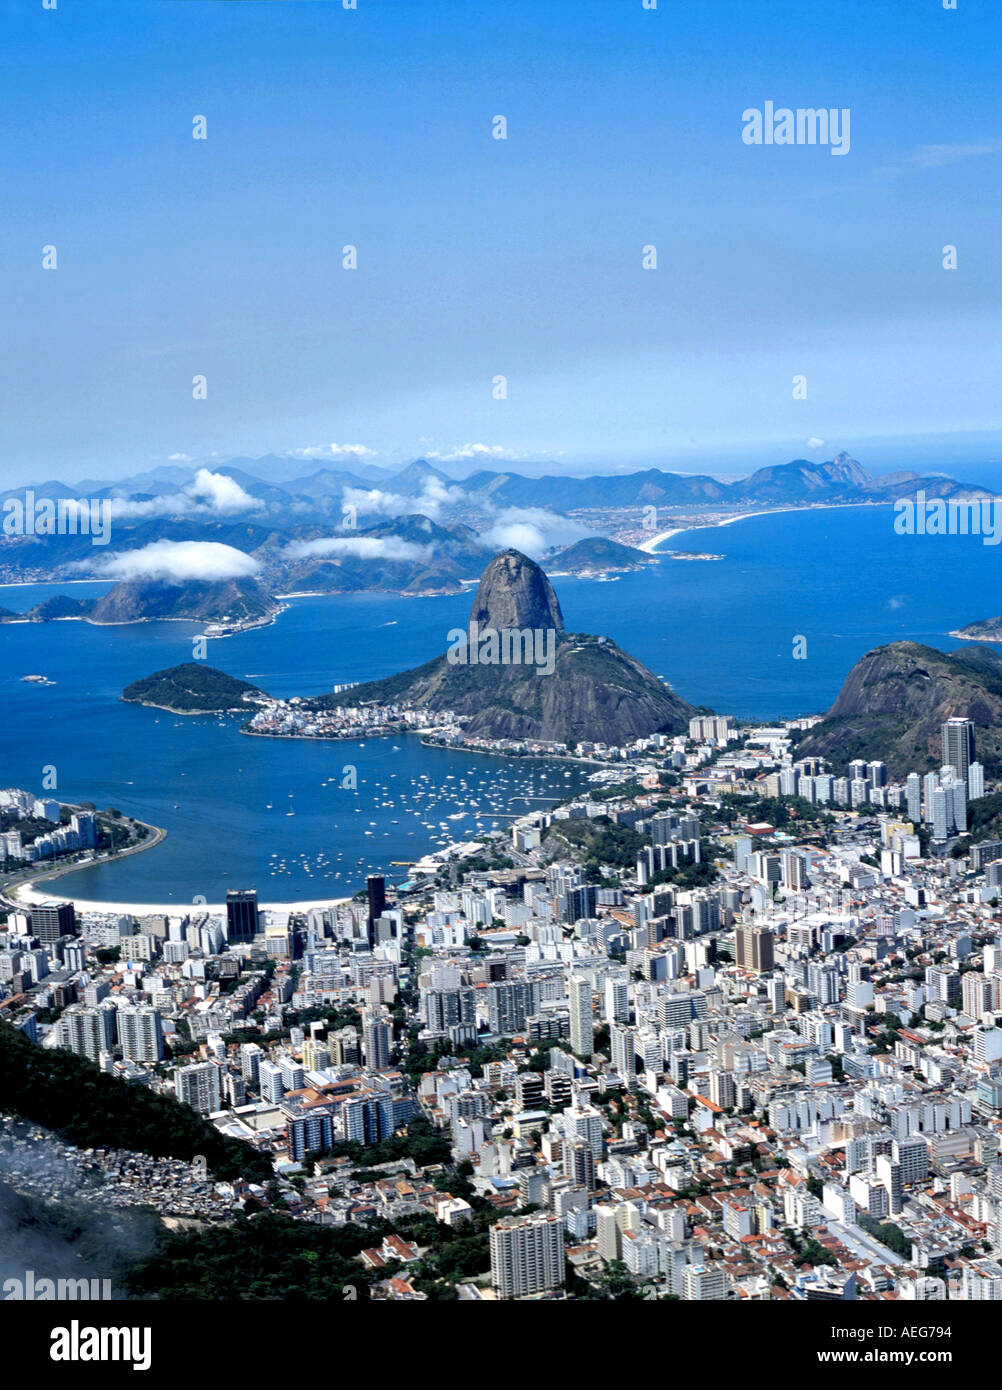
(227, 606)
(985, 630)
(193, 688)
(598, 555)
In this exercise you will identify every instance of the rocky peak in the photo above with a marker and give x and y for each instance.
(845, 468)
(514, 593)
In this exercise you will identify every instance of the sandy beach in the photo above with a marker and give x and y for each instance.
(651, 546)
(28, 894)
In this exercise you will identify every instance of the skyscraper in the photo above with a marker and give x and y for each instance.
(198, 1086)
(375, 886)
(942, 814)
(623, 1052)
(975, 781)
(527, 1255)
(582, 1030)
(958, 745)
(509, 1004)
(241, 914)
(87, 1032)
(50, 921)
(754, 948)
(617, 999)
(141, 1034)
(913, 796)
(377, 1040)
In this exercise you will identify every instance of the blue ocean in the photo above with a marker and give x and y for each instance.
(240, 811)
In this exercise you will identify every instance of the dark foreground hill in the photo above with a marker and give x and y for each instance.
(91, 1109)
(563, 687)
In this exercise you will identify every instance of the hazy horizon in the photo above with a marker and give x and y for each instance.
(479, 257)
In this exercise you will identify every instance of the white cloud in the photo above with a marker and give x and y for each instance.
(938, 156)
(361, 547)
(208, 494)
(375, 502)
(533, 530)
(472, 451)
(177, 561)
(221, 493)
(463, 453)
(331, 452)
(179, 458)
(815, 443)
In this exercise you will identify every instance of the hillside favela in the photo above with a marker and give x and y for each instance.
(560, 868)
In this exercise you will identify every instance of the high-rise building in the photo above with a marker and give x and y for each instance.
(942, 814)
(794, 870)
(241, 914)
(367, 1118)
(449, 1008)
(87, 1032)
(578, 903)
(958, 745)
(251, 1057)
(50, 921)
(582, 1029)
(527, 1255)
(509, 1004)
(377, 1040)
(913, 796)
(375, 887)
(617, 999)
(723, 1090)
(141, 1034)
(958, 804)
(975, 781)
(198, 1086)
(623, 1052)
(704, 1283)
(579, 1164)
(754, 948)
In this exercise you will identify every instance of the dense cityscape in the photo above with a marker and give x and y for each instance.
(724, 1030)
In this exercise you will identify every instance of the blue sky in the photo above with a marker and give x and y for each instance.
(478, 257)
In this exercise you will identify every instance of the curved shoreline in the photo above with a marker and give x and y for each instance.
(25, 889)
(649, 547)
(967, 636)
(169, 709)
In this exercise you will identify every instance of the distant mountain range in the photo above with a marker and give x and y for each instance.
(274, 484)
(789, 484)
(415, 530)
